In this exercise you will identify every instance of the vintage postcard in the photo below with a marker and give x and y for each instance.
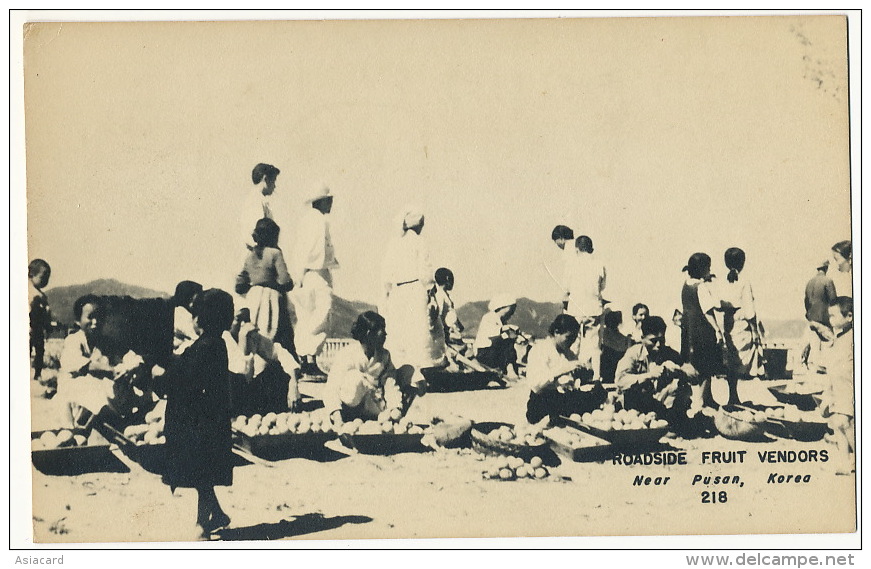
(443, 277)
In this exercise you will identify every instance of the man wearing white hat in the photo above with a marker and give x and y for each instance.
(494, 343)
(313, 261)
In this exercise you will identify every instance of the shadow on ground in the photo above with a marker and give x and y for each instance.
(299, 525)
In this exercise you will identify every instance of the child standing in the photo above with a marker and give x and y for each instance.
(838, 366)
(197, 388)
(38, 273)
(444, 279)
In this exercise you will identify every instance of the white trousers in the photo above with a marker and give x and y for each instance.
(312, 300)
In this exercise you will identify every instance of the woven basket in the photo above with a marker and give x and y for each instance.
(485, 445)
(733, 427)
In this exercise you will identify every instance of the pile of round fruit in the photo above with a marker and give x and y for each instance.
(793, 414)
(150, 433)
(63, 438)
(283, 423)
(608, 418)
(514, 468)
(519, 435)
(378, 427)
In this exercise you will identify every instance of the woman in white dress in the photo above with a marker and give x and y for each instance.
(741, 330)
(415, 335)
(842, 275)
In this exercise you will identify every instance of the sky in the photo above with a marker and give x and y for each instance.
(655, 137)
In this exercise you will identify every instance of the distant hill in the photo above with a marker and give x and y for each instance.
(62, 298)
(531, 317)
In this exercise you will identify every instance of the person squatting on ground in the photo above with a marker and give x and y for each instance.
(198, 413)
(586, 281)
(314, 260)
(556, 378)
(495, 342)
(38, 274)
(363, 382)
(651, 376)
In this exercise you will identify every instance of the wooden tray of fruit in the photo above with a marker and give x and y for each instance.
(144, 444)
(578, 446)
(493, 438)
(72, 452)
(623, 428)
(288, 434)
(383, 436)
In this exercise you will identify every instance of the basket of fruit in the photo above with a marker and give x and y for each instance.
(802, 394)
(790, 422)
(623, 428)
(504, 439)
(578, 446)
(389, 434)
(283, 435)
(72, 452)
(740, 423)
(507, 468)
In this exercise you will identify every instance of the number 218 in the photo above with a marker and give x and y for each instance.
(714, 497)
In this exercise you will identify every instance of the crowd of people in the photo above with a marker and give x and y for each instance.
(245, 354)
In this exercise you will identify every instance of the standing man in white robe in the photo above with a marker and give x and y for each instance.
(586, 281)
(313, 262)
(260, 202)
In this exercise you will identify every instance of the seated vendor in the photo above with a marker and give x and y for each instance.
(363, 382)
(494, 343)
(555, 377)
(650, 376)
(86, 378)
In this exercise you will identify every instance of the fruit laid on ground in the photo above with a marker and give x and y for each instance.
(514, 468)
(283, 423)
(146, 434)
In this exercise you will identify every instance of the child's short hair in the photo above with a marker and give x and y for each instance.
(366, 325)
(443, 275)
(562, 232)
(653, 325)
(264, 171)
(185, 291)
(266, 233)
(214, 311)
(638, 307)
(82, 301)
(584, 243)
(844, 304)
(564, 323)
(37, 266)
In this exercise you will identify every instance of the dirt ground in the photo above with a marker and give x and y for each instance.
(443, 494)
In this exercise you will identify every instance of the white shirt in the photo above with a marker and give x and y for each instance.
(358, 381)
(313, 249)
(256, 207)
(407, 260)
(843, 282)
(545, 364)
(489, 329)
(586, 280)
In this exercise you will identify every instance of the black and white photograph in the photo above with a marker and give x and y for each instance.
(429, 276)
